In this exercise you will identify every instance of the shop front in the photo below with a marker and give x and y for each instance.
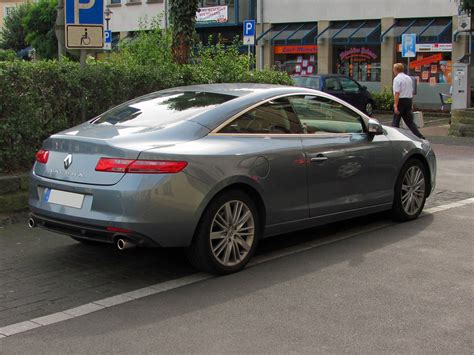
(294, 48)
(433, 60)
(355, 49)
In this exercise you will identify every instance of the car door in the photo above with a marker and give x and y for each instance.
(337, 150)
(272, 133)
(352, 93)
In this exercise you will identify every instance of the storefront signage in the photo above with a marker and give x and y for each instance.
(212, 14)
(295, 49)
(426, 61)
(432, 47)
(358, 54)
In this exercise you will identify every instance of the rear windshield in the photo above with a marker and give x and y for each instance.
(162, 109)
(307, 82)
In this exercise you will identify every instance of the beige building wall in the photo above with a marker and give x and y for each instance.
(5, 6)
(388, 54)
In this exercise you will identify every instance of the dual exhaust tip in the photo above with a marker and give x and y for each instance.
(122, 243)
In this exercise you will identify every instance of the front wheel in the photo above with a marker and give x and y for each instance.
(227, 235)
(410, 191)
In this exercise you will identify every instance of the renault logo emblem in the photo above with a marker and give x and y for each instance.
(67, 161)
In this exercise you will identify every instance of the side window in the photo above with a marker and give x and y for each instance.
(332, 84)
(322, 115)
(273, 117)
(349, 85)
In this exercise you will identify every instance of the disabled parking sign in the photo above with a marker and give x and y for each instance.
(84, 24)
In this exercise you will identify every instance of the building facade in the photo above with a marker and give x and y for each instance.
(6, 6)
(362, 39)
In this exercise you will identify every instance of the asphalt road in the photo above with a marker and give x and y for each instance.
(383, 287)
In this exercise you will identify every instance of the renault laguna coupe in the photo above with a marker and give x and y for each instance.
(215, 168)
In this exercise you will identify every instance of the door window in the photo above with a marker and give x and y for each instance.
(332, 84)
(323, 115)
(273, 117)
(349, 85)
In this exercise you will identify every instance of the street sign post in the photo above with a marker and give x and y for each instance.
(409, 47)
(84, 24)
(249, 35)
(108, 40)
(249, 32)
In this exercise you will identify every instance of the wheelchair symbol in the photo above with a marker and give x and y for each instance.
(85, 39)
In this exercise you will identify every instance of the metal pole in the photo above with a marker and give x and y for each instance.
(408, 69)
(60, 29)
(248, 55)
(83, 59)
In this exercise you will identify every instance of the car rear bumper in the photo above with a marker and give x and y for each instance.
(156, 210)
(90, 232)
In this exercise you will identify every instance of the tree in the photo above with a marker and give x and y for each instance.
(183, 19)
(12, 35)
(39, 28)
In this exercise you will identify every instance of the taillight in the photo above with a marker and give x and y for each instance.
(42, 156)
(117, 165)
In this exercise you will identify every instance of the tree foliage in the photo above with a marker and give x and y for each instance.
(39, 28)
(183, 19)
(12, 35)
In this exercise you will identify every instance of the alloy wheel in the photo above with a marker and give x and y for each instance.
(232, 233)
(369, 109)
(413, 190)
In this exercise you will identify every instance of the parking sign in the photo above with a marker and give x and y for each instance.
(84, 24)
(409, 45)
(249, 32)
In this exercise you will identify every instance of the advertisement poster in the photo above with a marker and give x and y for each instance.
(299, 59)
(432, 68)
(310, 69)
(214, 14)
(305, 63)
(312, 58)
(298, 69)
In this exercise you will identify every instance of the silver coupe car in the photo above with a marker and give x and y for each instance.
(215, 168)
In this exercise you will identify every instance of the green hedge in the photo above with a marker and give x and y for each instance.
(42, 98)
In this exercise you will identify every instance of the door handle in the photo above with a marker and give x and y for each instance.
(319, 159)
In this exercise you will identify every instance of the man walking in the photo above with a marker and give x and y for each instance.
(403, 100)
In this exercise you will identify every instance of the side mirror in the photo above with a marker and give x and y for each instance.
(364, 88)
(374, 127)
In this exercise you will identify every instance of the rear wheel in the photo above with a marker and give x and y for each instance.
(410, 191)
(227, 235)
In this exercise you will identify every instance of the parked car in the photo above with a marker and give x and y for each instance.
(215, 168)
(340, 86)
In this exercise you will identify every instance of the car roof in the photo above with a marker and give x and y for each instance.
(232, 89)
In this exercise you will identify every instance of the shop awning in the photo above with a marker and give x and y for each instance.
(294, 33)
(352, 32)
(426, 29)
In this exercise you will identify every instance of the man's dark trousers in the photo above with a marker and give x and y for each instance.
(404, 107)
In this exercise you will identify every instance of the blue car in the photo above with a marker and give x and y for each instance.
(340, 86)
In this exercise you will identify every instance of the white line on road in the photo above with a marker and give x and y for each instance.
(188, 280)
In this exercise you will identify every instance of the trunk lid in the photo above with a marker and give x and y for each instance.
(74, 153)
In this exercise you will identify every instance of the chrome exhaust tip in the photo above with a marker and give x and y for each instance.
(123, 244)
(31, 223)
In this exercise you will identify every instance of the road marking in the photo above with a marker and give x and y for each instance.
(88, 308)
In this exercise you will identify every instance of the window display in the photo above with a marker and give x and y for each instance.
(360, 63)
(432, 68)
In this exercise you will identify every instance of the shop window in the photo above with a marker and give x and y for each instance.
(431, 68)
(361, 63)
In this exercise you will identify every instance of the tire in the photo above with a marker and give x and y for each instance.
(218, 249)
(411, 190)
(369, 108)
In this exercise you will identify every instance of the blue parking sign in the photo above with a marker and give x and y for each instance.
(409, 45)
(84, 12)
(249, 28)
